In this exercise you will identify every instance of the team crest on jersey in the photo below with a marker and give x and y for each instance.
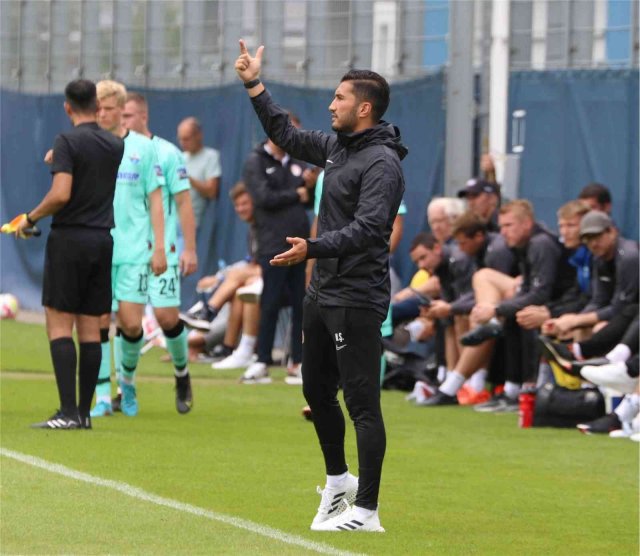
(182, 173)
(296, 170)
(135, 158)
(158, 170)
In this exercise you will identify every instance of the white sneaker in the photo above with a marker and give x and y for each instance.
(251, 293)
(294, 375)
(234, 361)
(335, 500)
(612, 376)
(351, 520)
(257, 373)
(421, 391)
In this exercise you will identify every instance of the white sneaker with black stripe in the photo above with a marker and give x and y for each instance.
(335, 500)
(352, 520)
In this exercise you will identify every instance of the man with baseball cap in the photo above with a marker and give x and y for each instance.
(615, 273)
(483, 198)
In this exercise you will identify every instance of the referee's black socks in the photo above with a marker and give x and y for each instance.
(65, 360)
(90, 358)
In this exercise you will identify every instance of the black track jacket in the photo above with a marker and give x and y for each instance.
(363, 188)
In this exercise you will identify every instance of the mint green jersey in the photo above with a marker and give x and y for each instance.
(176, 180)
(139, 174)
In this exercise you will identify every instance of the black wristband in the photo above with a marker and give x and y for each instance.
(251, 84)
(31, 222)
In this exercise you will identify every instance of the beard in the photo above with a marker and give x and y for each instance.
(348, 124)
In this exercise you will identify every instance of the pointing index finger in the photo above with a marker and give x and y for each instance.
(243, 47)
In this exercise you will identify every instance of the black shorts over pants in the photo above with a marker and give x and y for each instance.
(342, 347)
(77, 270)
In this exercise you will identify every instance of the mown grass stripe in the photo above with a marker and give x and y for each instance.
(145, 496)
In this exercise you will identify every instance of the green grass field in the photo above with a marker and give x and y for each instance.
(454, 482)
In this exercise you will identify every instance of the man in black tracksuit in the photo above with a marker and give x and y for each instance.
(350, 290)
(274, 181)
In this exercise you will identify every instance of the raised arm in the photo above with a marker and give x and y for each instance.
(311, 146)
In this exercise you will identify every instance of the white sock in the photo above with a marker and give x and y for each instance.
(575, 349)
(442, 373)
(627, 409)
(363, 513)
(335, 481)
(183, 372)
(619, 354)
(452, 383)
(511, 390)
(246, 345)
(477, 380)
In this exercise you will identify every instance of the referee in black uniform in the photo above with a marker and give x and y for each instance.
(77, 268)
(350, 289)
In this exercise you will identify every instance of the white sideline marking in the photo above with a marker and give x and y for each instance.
(140, 494)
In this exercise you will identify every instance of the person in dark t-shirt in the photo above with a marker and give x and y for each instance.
(77, 271)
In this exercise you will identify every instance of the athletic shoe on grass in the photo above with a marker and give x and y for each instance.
(184, 395)
(500, 403)
(257, 373)
(101, 409)
(129, 403)
(59, 421)
(351, 521)
(294, 375)
(333, 501)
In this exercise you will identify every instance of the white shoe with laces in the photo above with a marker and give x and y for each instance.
(335, 500)
(613, 375)
(234, 361)
(257, 373)
(352, 520)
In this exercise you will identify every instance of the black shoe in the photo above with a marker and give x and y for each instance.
(559, 353)
(499, 403)
(59, 421)
(184, 396)
(577, 366)
(439, 398)
(85, 422)
(481, 334)
(116, 403)
(200, 317)
(603, 425)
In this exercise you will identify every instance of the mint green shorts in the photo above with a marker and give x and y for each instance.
(129, 282)
(164, 290)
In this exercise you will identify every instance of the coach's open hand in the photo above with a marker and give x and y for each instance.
(295, 255)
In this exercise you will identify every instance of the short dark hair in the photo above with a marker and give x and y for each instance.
(596, 190)
(371, 87)
(81, 95)
(469, 224)
(425, 239)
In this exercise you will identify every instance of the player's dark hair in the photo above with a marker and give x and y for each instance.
(596, 190)
(425, 239)
(81, 96)
(371, 87)
(469, 224)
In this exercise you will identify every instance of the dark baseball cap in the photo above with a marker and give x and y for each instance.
(595, 222)
(477, 185)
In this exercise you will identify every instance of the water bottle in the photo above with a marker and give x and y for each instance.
(527, 402)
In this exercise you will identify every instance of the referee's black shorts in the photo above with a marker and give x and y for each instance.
(77, 270)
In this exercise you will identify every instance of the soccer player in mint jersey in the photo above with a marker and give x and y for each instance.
(138, 248)
(164, 290)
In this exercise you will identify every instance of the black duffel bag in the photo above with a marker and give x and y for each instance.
(560, 407)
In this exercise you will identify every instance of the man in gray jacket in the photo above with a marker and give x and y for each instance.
(349, 293)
